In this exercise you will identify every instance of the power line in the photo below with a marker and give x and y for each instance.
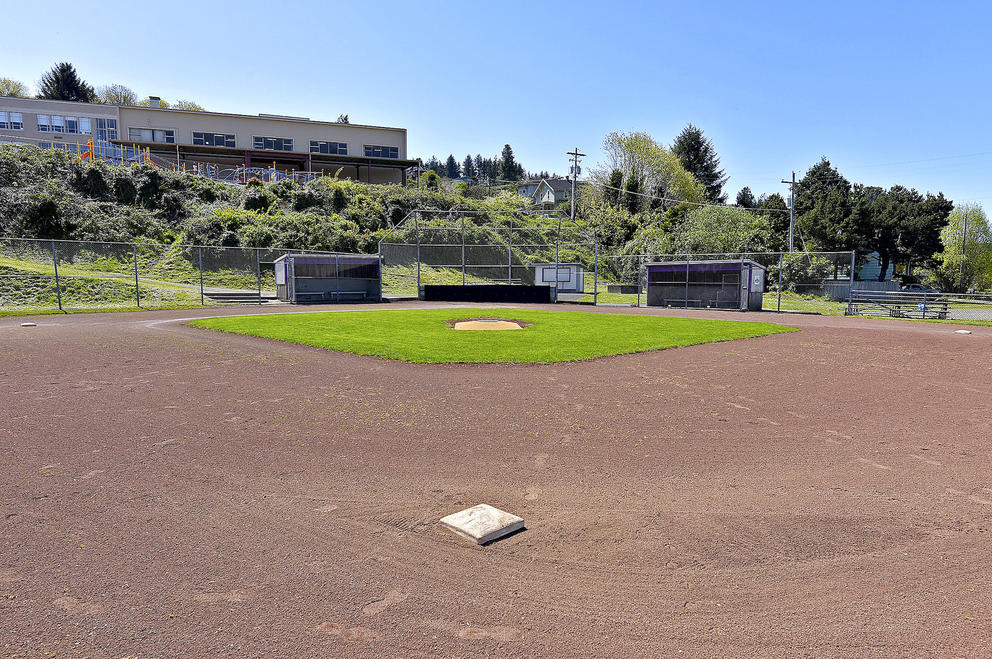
(693, 203)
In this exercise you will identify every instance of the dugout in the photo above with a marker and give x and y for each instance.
(317, 278)
(570, 277)
(731, 284)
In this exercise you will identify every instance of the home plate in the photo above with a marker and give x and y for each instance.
(29, 324)
(962, 331)
(483, 523)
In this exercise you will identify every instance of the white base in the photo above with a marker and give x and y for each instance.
(483, 523)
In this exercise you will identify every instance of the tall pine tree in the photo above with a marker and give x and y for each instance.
(509, 168)
(468, 167)
(62, 83)
(451, 168)
(698, 157)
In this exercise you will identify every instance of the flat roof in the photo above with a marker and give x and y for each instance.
(262, 116)
(708, 262)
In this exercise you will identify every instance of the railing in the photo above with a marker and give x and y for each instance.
(923, 305)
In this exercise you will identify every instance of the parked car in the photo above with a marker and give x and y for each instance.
(918, 288)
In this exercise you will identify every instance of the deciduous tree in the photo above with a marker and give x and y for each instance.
(10, 87)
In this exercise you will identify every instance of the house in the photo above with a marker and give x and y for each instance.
(548, 191)
(373, 154)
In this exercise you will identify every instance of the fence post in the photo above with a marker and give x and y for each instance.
(781, 264)
(416, 225)
(638, 280)
(137, 291)
(509, 255)
(58, 289)
(744, 287)
(200, 254)
(463, 250)
(595, 275)
(850, 289)
(380, 274)
(686, 281)
(258, 271)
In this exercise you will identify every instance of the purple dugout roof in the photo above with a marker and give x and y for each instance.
(676, 266)
(311, 259)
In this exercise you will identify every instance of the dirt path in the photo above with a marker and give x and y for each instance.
(172, 491)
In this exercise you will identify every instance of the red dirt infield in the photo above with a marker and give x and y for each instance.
(173, 491)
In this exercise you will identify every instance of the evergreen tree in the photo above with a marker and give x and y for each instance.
(478, 165)
(745, 198)
(632, 200)
(62, 83)
(509, 168)
(468, 167)
(451, 168)
(434, 165)
(698, 157)
(611, 194)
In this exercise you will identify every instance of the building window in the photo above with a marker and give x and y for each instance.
(11, 120)
(373, 151)
(55, 123)
(161, 135)
(106, 129)
(332, 148)
(272, 143)
(213, 139)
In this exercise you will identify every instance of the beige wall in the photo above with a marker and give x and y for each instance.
(184, 123)
(245, 128)
(30, 108)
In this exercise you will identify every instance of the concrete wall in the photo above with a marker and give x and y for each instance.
(244, 127)
(30, 109)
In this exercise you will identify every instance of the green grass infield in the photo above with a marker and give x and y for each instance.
(425, 336)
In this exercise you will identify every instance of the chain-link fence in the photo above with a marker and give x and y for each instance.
(487, 247)
(63, 274)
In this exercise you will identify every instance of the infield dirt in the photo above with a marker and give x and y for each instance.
(173, 491)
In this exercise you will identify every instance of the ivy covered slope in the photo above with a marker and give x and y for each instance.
(51, 194)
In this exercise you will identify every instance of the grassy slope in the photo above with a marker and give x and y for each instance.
(422, 336)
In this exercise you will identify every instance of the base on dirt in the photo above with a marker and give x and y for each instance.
(483, 523)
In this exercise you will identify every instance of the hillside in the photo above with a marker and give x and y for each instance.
(51, 194)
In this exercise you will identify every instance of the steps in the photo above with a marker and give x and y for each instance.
(239, 297)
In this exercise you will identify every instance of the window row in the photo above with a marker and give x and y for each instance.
(11, 120)
(56, 123)
(161, 135)
(213, 139)
(332, 148)
(373, 151)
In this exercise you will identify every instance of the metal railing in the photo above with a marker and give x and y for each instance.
(923, 305)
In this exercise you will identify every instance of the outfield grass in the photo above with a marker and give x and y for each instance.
(423, 336)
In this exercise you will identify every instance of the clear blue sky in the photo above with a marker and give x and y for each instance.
(877, 87)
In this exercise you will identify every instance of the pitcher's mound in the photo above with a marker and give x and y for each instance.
(487, 324)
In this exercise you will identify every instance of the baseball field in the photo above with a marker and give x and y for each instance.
(175, 490)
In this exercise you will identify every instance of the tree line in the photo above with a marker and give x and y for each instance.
(63, 83)
(503, 167)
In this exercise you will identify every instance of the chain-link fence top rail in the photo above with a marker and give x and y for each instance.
(117, 275)
(479, 247)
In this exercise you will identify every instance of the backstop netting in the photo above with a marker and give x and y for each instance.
(484, 247)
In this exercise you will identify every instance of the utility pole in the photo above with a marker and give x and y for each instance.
(792, 208)
(575, 174)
